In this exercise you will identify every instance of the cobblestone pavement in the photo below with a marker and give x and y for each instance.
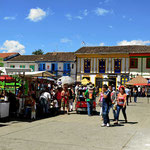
(78, 131)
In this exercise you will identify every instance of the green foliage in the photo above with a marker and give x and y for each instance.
(38, 52)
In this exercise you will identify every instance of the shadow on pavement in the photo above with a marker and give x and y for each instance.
(117, 125)
(129, 122)
(2, 125)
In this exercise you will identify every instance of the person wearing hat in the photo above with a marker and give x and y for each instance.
(90, 96)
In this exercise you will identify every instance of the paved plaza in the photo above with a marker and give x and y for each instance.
(80, 132)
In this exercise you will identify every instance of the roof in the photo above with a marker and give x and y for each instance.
(114, 49)
(55, 56)
(8, 55)
(139, 80)
(58, 56)
(26, 58)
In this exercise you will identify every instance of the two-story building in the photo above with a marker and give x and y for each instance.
(140, 62)
(58, 63)
(98, 63)
(116, 64)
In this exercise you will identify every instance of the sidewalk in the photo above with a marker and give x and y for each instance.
(72, 132)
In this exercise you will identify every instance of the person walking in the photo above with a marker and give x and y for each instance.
(135, 94)
(128, 94)
(71, 93)
(100, 103)
(65, 98)
(112, 104)
(105, 106)
(121, 104)
(90, 96)
(58, 96)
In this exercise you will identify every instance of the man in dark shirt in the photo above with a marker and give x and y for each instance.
(105, 106)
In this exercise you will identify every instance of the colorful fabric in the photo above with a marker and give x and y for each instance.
(89, 94)
(121, 99)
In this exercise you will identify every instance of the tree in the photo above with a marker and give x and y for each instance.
(38, 52)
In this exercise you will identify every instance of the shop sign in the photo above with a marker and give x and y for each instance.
(112, 75)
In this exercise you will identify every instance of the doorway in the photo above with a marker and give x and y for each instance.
(112, 81)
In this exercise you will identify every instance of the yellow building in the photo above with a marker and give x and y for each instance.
(103, 65)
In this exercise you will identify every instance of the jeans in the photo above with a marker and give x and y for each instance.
(90, 108)
(135, 99)
(105, 108)
(127, 99)
(123, 111)
(114, 111)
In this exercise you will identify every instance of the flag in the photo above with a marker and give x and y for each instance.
(83, 43)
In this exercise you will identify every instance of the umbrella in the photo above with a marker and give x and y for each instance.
(85, 81)
(6, 78)
(139, 80)
(66, 80)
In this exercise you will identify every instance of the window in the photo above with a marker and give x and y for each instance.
(117, 65)
(148, 63)
(68, 66)
(133, 62)
(12, 66)
(43, 66)
(66, 70)
(124, 79)
(102, 63)
(87, 65)
(72, 66)
(32, 67)
(22, 66)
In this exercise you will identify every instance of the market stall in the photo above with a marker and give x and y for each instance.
(4, 103)
(35, 83)
(140, 82)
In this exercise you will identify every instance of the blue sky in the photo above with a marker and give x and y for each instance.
(63, 25)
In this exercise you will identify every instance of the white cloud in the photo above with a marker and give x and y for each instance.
(65, 40)
(36, 14)
(101, 11)
(79, 17)
(133, 42)
(68, 16)
(102, 44)
(9, 18)
(13, 46)
(85, 12)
